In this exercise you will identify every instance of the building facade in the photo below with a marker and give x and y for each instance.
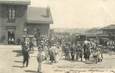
(109, 30)
(17, 17)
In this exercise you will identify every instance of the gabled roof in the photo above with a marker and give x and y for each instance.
(20, 2)
(109, 27)
(39, 15)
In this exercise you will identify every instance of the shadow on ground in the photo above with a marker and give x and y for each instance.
(31, 71)
(18, 61)
(17, 66)
(17, 51)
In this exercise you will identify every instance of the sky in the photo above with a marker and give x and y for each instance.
(79, 13)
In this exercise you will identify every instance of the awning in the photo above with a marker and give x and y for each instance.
(17, 2)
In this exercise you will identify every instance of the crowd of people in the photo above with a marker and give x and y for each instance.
(56, 49)
(83, 52)
(53, 52)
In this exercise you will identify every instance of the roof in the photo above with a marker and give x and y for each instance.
(39, 15)
(109, 27)
(22, 2)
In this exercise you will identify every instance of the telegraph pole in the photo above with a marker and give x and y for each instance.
(39, 56)
(37, 36)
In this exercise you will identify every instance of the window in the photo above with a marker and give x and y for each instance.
(11, 14)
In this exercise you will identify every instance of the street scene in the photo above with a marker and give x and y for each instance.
(57, 36)
(11, 62)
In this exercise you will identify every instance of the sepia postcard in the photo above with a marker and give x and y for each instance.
(57, 36)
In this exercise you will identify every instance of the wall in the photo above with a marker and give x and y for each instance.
(109, 31)
(18, 24)
(44, 28)
(1, 26)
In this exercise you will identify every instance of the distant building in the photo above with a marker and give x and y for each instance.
(17, 17)
(105, 32)
(109, 30)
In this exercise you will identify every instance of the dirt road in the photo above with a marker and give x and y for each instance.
(11, 62)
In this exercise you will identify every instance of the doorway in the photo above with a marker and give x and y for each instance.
(11, 37)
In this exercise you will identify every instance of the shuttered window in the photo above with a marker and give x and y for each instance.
(11, 14)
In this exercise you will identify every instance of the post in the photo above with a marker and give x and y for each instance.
(39, 56)
(37, 36)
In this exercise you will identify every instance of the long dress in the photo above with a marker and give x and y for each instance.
(39, 59)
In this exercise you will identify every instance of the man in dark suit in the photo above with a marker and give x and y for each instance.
(72, 48)
(25, 55)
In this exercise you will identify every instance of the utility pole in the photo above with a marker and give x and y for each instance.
(39, 56)
(37, 36)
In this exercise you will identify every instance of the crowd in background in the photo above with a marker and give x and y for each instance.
(55, 49)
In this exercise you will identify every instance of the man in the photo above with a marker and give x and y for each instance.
(97, 54)
(18, 41)
(31, 45)
(67, 51)
(72, 48)
(79, 52)
(86, 51)
(25, 55)
(39, 59)
(52, 54)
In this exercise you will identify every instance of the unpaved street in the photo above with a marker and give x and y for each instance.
(11, 62)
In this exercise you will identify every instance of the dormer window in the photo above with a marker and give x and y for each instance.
(11, 14)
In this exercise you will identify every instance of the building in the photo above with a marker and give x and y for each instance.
(17, 19)
(109, 30)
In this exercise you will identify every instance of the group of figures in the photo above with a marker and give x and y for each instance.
(85, 51)
(46, 52)
(54, 52)
(26, 48)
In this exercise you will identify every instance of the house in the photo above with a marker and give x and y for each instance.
(17, 19)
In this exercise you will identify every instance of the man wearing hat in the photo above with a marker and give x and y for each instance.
(25, 55)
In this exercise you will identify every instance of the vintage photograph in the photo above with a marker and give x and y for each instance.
(57, 36)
